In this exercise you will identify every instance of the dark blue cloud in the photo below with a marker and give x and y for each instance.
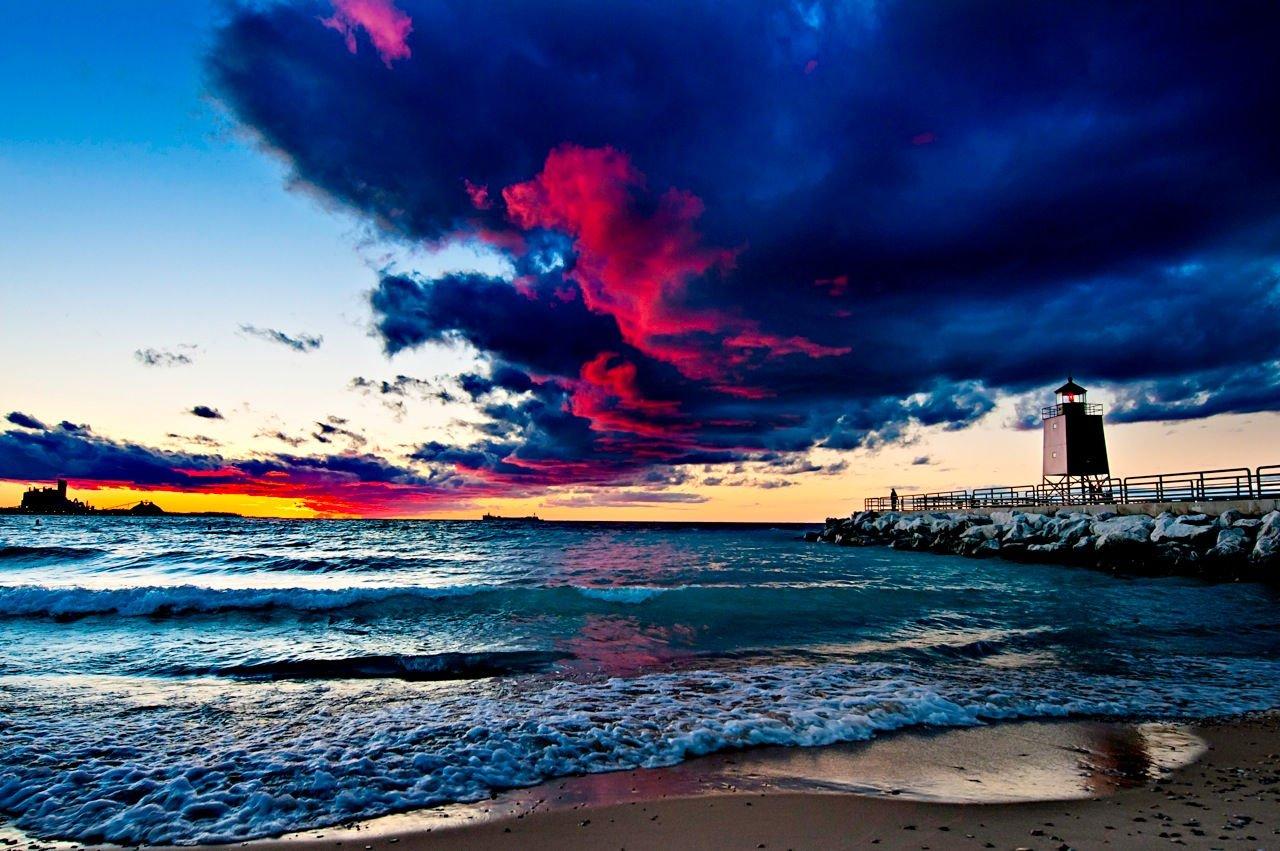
(164, 357)
(624, 499)
(26, 421)
(976, 199)
(1056, 128)
(282, 437)
(547, 335)
(335, 427)
(297, 342)
(1202, 394)
(504, 377)
(348, 482)
(207, 413)
(77, 453)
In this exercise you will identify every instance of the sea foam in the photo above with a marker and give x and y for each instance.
(171, 774)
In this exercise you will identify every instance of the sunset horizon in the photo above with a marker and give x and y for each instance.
(940, 462)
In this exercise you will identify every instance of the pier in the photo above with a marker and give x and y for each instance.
(1253, 490)
(1220, 524)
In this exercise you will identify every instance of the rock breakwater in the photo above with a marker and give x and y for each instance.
(1231, 545)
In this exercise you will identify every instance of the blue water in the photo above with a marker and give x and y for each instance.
(196, 680)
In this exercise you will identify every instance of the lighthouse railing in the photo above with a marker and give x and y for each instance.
(1090, 408)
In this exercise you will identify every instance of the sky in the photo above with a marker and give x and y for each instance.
(636, 260)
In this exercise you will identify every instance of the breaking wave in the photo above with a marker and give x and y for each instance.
(173, 600)
(51, 555)
(433, 666)
(178, 600)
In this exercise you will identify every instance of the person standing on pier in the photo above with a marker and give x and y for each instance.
(893, 499)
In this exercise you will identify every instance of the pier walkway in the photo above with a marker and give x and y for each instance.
(1251, 490)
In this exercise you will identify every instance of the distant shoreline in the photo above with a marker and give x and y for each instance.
(724, 524)
(18, 511)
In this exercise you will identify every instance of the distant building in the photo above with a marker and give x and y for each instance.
(52, 501)
(1075, 448)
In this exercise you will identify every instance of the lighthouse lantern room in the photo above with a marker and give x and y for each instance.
(1075, 448)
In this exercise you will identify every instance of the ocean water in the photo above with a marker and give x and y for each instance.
(184, 680)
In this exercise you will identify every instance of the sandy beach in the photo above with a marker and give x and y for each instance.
(1035, 785)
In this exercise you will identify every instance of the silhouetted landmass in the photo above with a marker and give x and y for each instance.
(54, 501)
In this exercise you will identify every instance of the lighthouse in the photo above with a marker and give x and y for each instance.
(1075, 448)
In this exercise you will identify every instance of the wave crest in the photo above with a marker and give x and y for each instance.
(15, 552)
(178, 600)
(171, 600)
(432, 666)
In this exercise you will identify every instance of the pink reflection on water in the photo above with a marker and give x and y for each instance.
(632, 557)
(621, 646)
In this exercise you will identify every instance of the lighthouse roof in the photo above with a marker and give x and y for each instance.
(1071, 388)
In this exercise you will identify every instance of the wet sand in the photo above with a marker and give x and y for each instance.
(1034, 785)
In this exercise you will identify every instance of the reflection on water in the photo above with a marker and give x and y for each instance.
(1028, 761)
(619, 646)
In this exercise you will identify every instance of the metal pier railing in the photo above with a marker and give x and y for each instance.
(1234, 483)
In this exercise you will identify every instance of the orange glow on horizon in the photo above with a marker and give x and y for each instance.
(988, 454)
(174, 501)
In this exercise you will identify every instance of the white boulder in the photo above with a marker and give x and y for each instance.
(1168, 528)
(1126, 532)
(1266, 550)
(1230, 516)
(1233, 544)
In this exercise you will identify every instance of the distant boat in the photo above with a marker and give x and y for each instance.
(496, 518)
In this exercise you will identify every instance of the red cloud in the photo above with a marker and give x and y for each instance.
(636, 261)
(774, 345)
(478, 193)
(607, 395)
(632, 265)
(836, 286)
(387, 27)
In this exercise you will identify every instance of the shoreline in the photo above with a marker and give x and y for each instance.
(1033, 784)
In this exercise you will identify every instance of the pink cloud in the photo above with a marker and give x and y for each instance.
(776, 346)
(607, 394)
(478, 193)
(387, 27)
(835, 286)
(632, 265)
(637, 255)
